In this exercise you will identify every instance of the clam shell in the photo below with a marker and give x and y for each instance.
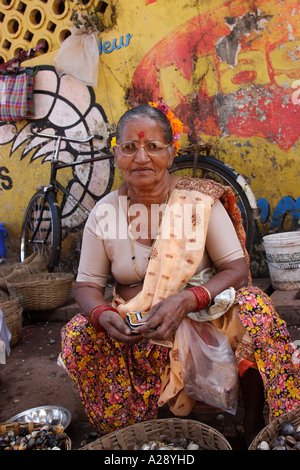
(193, 446)
(263, 445)
(287, 429)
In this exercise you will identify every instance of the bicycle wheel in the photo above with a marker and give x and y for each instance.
(210, 168)
(41, 228)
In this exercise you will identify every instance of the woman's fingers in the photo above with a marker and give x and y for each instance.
(117, 328)
(164, 318)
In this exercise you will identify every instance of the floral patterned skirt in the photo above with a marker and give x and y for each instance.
(119, 384)
(276, 356)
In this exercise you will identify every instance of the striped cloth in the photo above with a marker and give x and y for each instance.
(16, 95)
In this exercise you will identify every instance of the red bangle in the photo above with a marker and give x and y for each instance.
(203, 296)
(96, 313)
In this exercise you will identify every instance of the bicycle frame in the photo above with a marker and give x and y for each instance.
(56, 165)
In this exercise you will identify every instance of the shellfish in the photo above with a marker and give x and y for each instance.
(288, 438)
(167, 443)
(47, 438)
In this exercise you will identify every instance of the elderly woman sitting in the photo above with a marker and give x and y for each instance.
(123, 376)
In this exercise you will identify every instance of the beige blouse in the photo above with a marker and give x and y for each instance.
(106, 245)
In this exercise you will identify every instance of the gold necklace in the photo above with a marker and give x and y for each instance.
(138, 274)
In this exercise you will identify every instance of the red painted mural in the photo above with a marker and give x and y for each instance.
(230, 75)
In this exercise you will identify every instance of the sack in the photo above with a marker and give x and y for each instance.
(209, 366)
(16, 95)
(78, 56)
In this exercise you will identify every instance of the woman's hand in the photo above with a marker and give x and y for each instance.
(164, 318)
(88, 296)
(117, 328)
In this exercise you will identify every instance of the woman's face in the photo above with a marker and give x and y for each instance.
(143, 169)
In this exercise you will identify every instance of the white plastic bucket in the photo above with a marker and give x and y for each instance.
(283, 257)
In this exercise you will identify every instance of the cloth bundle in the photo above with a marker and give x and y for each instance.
(78, 56)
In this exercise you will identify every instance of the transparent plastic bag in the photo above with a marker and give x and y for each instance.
(209, 366)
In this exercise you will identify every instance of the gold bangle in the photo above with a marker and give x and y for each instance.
(209, 295)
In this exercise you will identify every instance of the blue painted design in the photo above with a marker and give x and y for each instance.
(107, 46)
(264, 207)
(286, 205)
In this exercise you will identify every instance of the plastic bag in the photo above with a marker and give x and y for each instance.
(209, 366)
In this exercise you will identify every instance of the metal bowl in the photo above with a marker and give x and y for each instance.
(44, 415)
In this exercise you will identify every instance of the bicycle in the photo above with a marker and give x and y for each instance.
(42, 229)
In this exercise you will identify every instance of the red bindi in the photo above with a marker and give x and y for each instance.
(141, 134)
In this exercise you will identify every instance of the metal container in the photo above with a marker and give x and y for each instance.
(44, 415)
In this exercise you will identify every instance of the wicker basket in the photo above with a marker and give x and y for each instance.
(272, 430)
(44, 291)
(4, 296)
(12, 312)
(30, 427)
(205, 436)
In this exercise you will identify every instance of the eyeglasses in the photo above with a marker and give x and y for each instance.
(130, 148)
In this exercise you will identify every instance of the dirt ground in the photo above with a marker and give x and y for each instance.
(31, 378)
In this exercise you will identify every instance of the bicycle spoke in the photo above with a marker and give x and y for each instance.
(37, 233)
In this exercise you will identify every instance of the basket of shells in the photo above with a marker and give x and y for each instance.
(283, 433)
(163, 434)
(33, 436)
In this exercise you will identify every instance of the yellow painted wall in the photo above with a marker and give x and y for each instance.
(229, 70)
